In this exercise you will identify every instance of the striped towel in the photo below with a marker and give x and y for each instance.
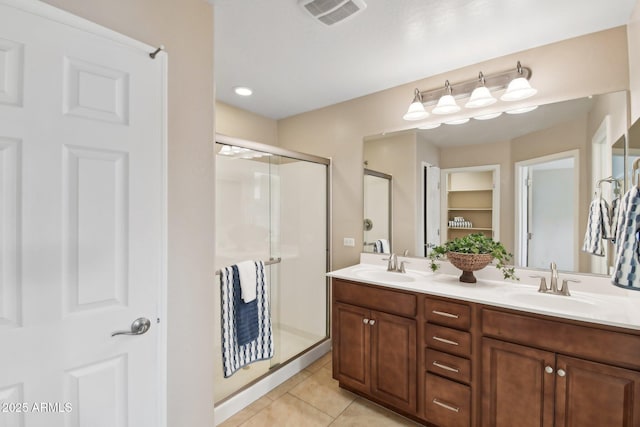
(598, 227)
(626, 270)
(246, 315)
(381, 246)
(237, 319)
(615, 211)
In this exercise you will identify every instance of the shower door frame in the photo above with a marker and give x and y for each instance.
(278, 151)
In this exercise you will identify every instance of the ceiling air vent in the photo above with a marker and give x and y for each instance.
(331, 12)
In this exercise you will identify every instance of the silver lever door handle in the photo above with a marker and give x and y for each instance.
(138, 327)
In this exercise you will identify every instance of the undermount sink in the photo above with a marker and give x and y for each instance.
(385, 276)
(554, 302)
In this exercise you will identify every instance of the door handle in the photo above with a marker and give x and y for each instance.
(138, 327)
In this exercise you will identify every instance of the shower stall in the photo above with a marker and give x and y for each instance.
(273, 205)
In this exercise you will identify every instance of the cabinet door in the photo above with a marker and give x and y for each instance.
(517, 387)
(393, 360)
(594, 394)
(351, 344)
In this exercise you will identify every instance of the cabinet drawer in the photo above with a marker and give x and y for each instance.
(448, 313)
(447, 365)
(375, 297)
(447, 403)
(448, 340)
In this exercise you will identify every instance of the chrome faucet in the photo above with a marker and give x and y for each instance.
(553, 289)
(393, 264)
(554, 278)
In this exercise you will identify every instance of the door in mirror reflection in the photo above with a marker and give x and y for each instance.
(547, 190)
(377, 212)
(430, 207)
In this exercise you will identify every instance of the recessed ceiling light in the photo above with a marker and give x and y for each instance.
(242, 91)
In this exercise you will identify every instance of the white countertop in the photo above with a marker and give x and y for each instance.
(592, 300)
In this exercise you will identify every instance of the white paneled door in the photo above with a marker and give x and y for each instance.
(82, 223)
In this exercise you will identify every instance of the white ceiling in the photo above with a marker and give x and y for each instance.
(296, 64)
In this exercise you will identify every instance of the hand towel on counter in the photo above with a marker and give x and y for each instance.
(248, 280)
(236, 321)
(626, 269)
(598, 227)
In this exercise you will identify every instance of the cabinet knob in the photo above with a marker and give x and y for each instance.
(372, 322)
(548, 369)
(561, 372)
(365, 320)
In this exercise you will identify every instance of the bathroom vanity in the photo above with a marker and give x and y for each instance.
(492, 354)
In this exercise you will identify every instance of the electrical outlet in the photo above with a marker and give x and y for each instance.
(349, 241)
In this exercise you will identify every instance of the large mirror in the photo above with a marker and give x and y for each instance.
(552, 162)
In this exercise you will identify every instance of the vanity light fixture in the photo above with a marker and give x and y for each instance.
(447, 103)
(416, 110)
(479, 91)
(519, 88)
(481, 96)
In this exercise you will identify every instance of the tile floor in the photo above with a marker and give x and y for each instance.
(312, 398)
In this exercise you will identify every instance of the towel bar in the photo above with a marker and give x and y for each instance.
(267, 262)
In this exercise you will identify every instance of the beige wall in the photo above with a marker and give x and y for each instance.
(232, 121)
(337, 131)
(186, 30)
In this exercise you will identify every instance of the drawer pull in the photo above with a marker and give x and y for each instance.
(445, 367)
(445, 314)
(444, 405)
(444, 340)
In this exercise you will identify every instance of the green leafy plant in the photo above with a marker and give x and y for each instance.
(476, 243)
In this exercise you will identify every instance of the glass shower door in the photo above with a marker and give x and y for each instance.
(271, 207)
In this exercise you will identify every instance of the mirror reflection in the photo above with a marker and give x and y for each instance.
(549, 165)
(377, 212)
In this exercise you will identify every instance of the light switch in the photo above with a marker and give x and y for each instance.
(349, 241)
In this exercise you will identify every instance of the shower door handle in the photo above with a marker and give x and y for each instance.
(138, 327)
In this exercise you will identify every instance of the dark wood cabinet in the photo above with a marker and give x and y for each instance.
(393, 360)
(351, 360)
(452, 363)
(375, 353)
(596, 394)
(539, 388)
(517, 388)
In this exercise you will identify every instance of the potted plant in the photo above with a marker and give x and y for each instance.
(473, 252)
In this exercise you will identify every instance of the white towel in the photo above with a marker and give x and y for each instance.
(248, 280)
